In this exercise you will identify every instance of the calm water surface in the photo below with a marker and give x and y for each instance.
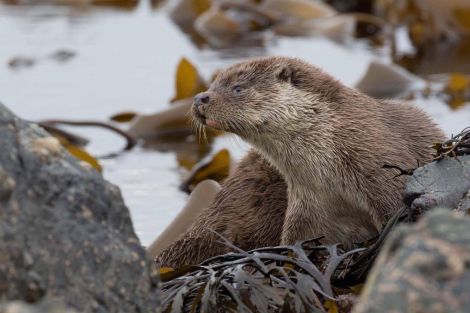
(125, 60)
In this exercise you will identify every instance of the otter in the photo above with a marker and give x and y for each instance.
(327, 142)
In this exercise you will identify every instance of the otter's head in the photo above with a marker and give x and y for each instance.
(261, 96)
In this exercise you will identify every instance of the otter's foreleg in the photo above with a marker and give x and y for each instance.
(303, 221)
(332, 220)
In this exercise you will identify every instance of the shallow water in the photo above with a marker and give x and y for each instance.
(125, 61)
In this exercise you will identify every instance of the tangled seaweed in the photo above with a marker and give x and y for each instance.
(278, 279)
(305, 277)
(456, 146)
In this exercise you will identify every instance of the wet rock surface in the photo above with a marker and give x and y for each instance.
(445, 183)
(65, 233)
(422, 268)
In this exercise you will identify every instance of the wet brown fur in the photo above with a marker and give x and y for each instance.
(329, 143)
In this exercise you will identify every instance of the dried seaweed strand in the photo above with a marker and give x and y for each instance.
(456, 146)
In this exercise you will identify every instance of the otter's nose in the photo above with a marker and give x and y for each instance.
(201, 98)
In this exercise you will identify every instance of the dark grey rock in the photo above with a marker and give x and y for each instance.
(65, 233)
(439, 184)
(422, 268)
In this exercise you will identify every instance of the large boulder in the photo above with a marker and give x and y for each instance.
(65, 234)
(422, 268)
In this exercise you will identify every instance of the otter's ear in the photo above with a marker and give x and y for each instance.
(285, 74)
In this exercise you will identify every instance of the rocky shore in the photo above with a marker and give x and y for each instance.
(67, 243)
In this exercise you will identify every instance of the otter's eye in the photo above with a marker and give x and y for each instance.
(237, 89)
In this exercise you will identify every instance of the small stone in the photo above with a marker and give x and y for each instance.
(63, 55)
(21, 62)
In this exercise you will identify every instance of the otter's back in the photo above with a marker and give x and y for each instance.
(413, 125)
